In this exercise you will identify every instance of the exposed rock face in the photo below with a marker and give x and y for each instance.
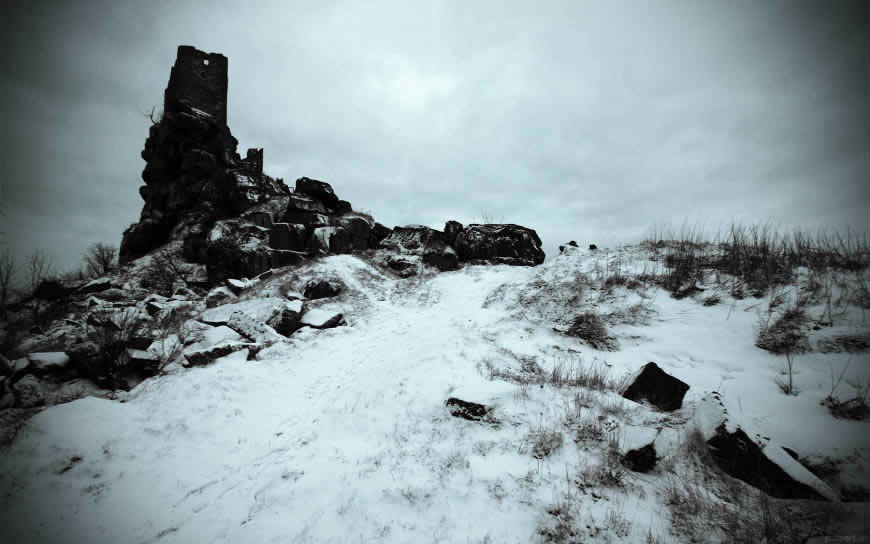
(503, 244)
(193, 174)
(658, 387)
(424, 241)
(315, 289)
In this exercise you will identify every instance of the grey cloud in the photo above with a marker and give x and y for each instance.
(587, 121)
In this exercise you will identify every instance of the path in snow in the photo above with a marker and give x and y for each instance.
(344, 437)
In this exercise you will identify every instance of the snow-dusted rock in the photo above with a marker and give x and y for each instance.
(215, 343)
(252, 329)
(287, 321)
(206, 355)
(294, 295)
(95, 286)
(216, 335)
(154, 297)
(237, 286)
(184, 293)
(165, 347)
(48, 362)
(261, 309)
(218, 297)
(29, 391)
(315, 289)
(321, 319)
(760, 462)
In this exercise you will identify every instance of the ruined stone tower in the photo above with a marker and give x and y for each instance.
(193, 174)
(198, 79)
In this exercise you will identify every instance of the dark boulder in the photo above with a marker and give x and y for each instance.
(316, 289)
(287, 236)
(640, 459)
(592, 247)
(467, 410)
(320, 190)
(306, 203)
(739, 456)
(451, 231)
(359, 229)
(343, 206)
(287, 321)
(51, 290)
(330, 240)
(445, 259)
(501, 244)
(379, 232)
(399, 264)
(310, 219)
(657, 387)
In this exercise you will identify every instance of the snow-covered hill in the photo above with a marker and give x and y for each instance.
(342, 434)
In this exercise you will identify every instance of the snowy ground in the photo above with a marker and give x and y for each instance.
(342, 435)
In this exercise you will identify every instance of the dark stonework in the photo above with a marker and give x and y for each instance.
(499, 244)
(193, 174)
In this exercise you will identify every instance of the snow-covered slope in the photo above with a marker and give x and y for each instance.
(342, 435)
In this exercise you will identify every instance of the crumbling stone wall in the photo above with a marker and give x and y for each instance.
(199, 80)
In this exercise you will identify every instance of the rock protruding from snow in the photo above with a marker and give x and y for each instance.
(320, 190)
(316, 289)
(471, 411)
(215, 343)
(261, 309)
(425, 242)
(640, 459)
(219, 296)
(500, 244)
(321, 319)
(770, 469)
(49, 362)
(252, 329)
(761, 463)
(659, 388)
(287, 321)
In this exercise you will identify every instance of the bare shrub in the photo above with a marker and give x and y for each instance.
(112, 332)
(38, 268)
(590, 328)
(163, 272)
(8, 269)
(100, 258)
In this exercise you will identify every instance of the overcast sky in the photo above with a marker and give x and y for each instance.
(587, 121)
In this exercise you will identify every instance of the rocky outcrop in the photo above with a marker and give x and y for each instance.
(500, 244)
(426, 242)
(193, 173)
(315, 289)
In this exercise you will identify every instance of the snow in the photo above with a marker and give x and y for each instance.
(341, 435)
(261, 309)
(48, 359)
(318, 317)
